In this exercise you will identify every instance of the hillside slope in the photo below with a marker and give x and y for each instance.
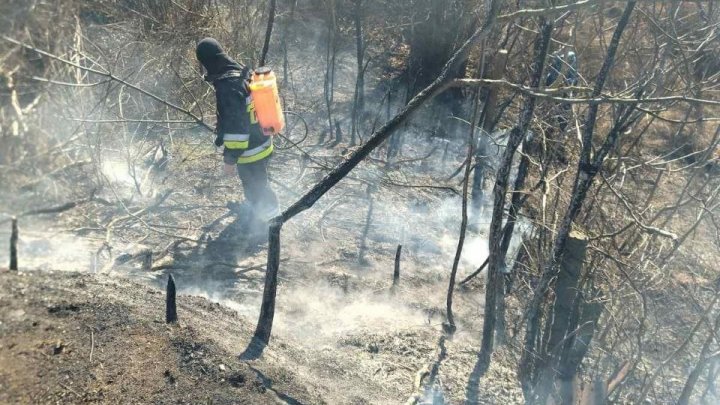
(89, 338)
(75, 338)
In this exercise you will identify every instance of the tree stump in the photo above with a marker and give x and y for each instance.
(13, 245)
(170, 305)
(396, 273)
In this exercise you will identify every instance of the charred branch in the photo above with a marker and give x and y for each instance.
(264, 326)
(396, 272)
(170, 304)
(268, 33)
(495, 288)
(13, 245)
(464, 216)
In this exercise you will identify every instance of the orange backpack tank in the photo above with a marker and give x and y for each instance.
(265, 96)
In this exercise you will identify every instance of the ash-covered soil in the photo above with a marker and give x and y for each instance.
(340, 336)
(82, 338)
(77, 338)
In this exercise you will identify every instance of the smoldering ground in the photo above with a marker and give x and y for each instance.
(337, 258)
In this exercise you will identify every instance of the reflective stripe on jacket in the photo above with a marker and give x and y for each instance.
(236, 141)
(258, 153)
(237, 128)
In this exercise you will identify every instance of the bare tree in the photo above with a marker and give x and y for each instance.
(588, 168)
(268, 32)
(497, 258)
(358, 109)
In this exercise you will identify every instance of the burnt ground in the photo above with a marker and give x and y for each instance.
(340, 336)
(82, 338)
(72, 338)
(95, 332)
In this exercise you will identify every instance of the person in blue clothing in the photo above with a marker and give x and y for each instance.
(570, 78)
(246, 149)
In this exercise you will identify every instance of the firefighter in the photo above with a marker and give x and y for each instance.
(246, 149)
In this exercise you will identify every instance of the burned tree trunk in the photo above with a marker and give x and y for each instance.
(463, 222)
(567, 334)
(267, 310)
(338, 133)
(396, 272)
(366, 229)
(528, 148)
(359, 98)
(706, 358)
(562, 320)
(394, 146)
(330, 56)
(437, 30)
(495, 284)
(588, 167)
(147, 261)
(268, 33)
(488, 123)
(13, 245)
(170, 305)
(286, 27)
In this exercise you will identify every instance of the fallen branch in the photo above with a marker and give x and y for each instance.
(241, 269)
(427, 377)
(430, 186)
(92, 344)
(57, 209)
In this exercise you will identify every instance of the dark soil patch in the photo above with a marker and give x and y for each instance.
(63, 344)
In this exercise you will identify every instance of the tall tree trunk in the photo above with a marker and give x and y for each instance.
(463, 224)
(488, 123)
(705, 359)
(267, 310)
(268, 33)
(286, 28)
(359, 98)
(330, 55)
(587, 169)
(495, 279)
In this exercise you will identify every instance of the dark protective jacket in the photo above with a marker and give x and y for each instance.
(237, 127)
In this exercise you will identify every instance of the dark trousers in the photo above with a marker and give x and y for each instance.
(256, 186)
